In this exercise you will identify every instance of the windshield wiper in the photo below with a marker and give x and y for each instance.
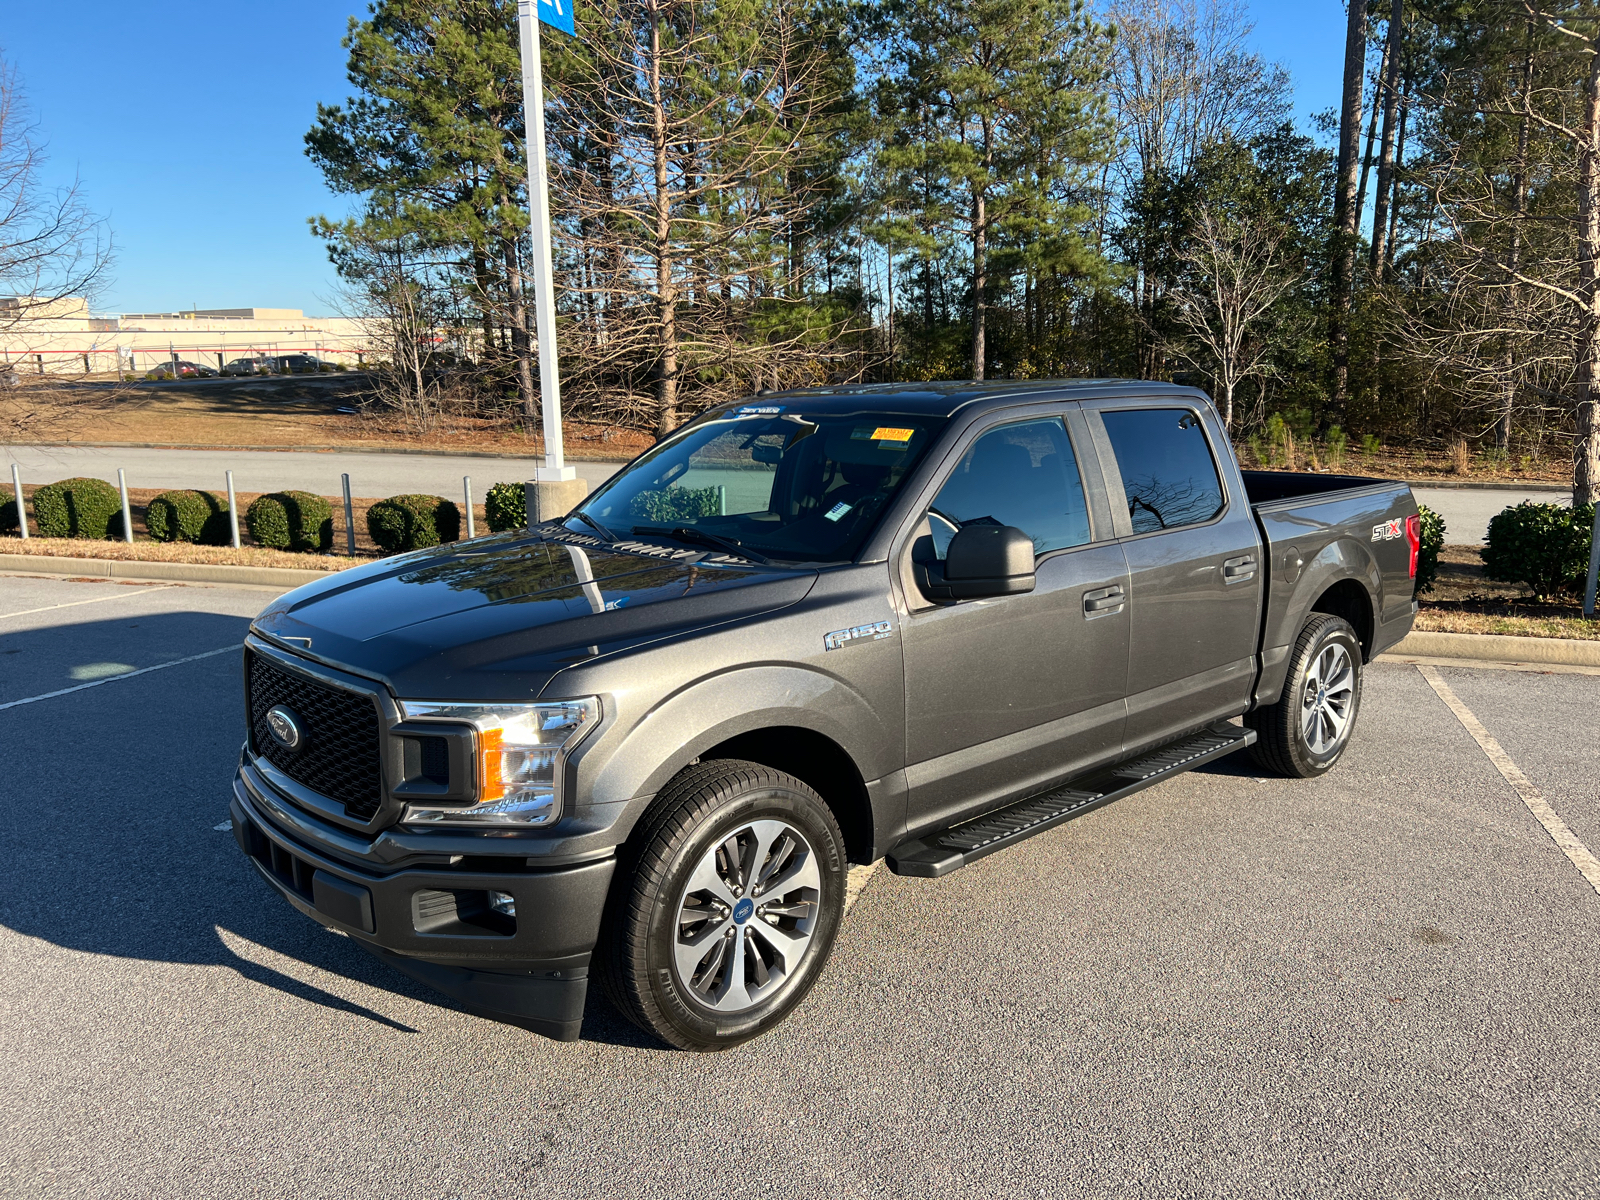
(595, 525)
(715, 540)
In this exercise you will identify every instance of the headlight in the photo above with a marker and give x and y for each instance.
(519, 753)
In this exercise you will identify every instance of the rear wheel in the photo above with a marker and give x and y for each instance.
(735, 894)
(1307, 730)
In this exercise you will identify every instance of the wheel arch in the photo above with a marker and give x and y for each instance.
(1349, 598)
(822, 765)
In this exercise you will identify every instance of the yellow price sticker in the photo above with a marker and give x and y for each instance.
(886, 434)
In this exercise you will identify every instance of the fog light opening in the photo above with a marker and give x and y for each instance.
(503, 902)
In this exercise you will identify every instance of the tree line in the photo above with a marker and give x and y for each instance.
(753, 194)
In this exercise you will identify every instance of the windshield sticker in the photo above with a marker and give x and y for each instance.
(874, 632)
(764, 410)
(886, 433)
(837, 511)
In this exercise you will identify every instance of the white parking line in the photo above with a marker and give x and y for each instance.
(1580, 855)
(118, 678)
(96, 600)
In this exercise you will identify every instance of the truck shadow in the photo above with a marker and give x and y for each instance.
(112, 800)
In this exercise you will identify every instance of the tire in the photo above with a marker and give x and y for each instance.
(697, 949)
(1305, 733)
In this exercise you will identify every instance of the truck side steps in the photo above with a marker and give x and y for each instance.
(939, 853)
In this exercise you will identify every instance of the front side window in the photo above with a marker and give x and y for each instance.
(1024, 475)
(1168, 475)
(777, 482)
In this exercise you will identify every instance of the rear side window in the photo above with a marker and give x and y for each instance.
(1168, 475)
(1023, 475)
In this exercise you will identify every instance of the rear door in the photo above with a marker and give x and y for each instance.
(1006, 695)
(1194, 565)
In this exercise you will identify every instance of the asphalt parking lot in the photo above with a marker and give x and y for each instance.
(1382, 983)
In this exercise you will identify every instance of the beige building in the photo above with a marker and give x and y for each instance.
(62, 336)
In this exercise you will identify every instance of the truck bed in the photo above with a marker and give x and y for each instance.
(1324, 537)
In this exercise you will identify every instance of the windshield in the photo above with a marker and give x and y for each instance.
(766, 480)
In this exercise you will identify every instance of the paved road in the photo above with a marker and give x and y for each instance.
(1382, 983)
(1468, 511)
(371, 475)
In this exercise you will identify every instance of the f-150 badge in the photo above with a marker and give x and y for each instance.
(874, 632)
(1387, 532)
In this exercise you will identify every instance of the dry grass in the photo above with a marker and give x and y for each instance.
(298, 410)
(1435, 620)
(175, 552)
(1464, 600)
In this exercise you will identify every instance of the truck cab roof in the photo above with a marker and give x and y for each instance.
(946, 398)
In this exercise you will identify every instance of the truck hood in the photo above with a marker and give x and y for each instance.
(495, 618)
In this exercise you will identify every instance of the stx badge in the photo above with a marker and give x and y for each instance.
(1388, 531)
(874, 632)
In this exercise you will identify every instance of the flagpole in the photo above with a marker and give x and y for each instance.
(554, 469)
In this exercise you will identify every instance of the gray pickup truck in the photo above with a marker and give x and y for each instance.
(918, 623)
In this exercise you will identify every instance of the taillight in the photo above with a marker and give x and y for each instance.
(1414, 536)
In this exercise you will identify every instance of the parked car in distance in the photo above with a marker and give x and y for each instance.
(181, 369)
(249, 366)
(300, 364)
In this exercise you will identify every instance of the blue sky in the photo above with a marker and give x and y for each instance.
(185, 122)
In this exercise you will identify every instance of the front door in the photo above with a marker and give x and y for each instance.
(1007, 695)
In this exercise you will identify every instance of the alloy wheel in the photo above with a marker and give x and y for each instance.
(747, 915)
(1325, 709)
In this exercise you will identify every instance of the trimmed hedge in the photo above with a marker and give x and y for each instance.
(1433, 530)
(1544, 547)
(677, 504)
(412, 522)
(77, 508)
(506, 507)
(8, 517)
(185, 516)
(298, 521)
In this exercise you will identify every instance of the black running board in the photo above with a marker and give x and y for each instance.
(946, 850)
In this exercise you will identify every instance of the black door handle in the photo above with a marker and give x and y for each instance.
(1104, 600)
(1236, 570)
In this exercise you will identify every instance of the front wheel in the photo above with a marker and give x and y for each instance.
(1307, 730)
(735, 894)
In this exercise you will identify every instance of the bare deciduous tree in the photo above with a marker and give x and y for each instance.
(1239, 276)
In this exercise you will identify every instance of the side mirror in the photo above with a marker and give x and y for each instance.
(981, 561)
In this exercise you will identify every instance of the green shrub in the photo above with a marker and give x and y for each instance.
(298, 521)
(183, 516)
(1371, 443)
(8, 517)
(411, 522)
(77, 508)
(1428, 554)
(1544, 547)
(677, 504)
(506, 507)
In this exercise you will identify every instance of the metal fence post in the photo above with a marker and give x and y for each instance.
(22, 512)
(127, 517)
(466, 493)
(233, 511)
(349, 519)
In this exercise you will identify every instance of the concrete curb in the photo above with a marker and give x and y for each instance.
(310, 449)
(284, 578)
(1495, 647)
(1533, 485)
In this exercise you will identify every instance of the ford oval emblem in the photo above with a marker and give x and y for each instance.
(284, 727)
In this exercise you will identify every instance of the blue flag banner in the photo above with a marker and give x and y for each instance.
(557, 13)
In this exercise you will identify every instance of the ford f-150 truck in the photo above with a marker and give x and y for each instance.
(918, 623)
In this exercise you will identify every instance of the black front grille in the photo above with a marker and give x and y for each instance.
(338, 755)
